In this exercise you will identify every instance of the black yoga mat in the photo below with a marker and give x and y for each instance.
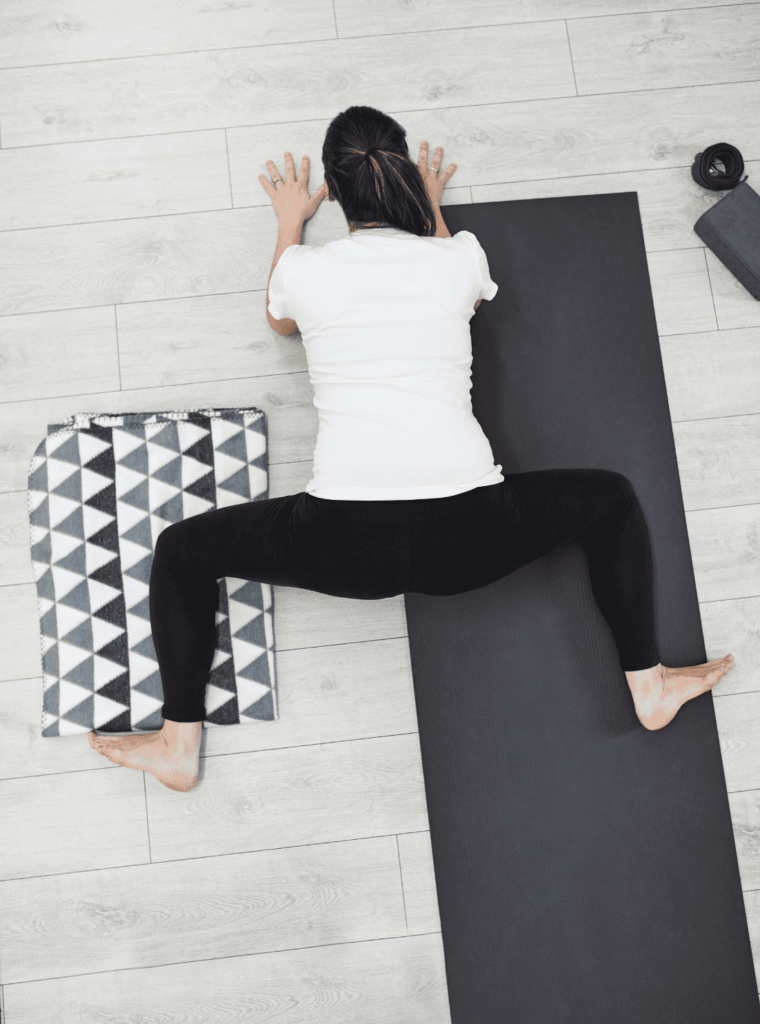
(586, 867)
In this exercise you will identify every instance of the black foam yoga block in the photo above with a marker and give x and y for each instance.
(586, 868)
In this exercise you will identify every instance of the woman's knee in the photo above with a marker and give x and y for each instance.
(173, 543)
(622, 488)
(626, 502)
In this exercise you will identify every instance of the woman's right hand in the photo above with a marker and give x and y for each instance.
(433, 181)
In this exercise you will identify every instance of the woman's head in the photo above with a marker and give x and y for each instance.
(384, 186)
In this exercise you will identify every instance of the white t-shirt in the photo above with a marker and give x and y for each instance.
(384, 315)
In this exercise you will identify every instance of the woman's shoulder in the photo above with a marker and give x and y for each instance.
(465, 236)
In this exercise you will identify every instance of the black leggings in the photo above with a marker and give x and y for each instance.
(376, 549)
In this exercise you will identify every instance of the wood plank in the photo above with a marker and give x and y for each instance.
(306, 619)
(752, 906)
(745, 817)
(74, 183)
(681, 292)
(371, 982)
(664, 49)
(288, 477)
(20, 649)
(367, 17)
(202, 339)
(150, 95)
(718, 461)
(41, 32)
(66, 352)
(35, 34)
(325, 793)
(733, 627)
(285, 398)
(15, 556)
(711, 374)
(734, 305)
(418, 875)
(725, 551)
(137, 260)
(24, 752)
(200, 909)
(73, 821)
(738, 718)
(629, 133)
(327, 695)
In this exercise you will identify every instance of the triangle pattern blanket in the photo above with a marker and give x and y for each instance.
(101, 490)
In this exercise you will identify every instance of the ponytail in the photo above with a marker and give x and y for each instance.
(368, 170)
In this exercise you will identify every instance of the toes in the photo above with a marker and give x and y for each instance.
(108, 749)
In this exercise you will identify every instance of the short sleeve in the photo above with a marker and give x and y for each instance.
(278, 304)
(488, 288)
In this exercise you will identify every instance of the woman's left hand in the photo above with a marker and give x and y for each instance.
(290, 198)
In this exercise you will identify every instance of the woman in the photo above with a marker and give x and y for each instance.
(405, 495)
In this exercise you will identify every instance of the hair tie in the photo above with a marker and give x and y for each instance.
(370, 151)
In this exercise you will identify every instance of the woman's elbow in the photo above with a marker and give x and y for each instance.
(284, 326)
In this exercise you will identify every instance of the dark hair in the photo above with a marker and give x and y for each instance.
(385, 185)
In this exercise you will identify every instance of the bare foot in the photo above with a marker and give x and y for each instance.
(659, 692)
(174, 764)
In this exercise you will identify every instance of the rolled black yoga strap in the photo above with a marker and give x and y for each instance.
(718, 167)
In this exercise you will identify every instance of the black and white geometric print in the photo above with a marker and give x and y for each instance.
(101, 490)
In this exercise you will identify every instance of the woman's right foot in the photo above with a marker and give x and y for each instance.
(170, 754)
(659, 692)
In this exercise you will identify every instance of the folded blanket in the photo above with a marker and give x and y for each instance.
(101, 490)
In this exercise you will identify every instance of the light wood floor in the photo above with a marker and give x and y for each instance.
(295, 882)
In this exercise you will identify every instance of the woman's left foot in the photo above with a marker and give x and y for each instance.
(660, 691)
(150, 752)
